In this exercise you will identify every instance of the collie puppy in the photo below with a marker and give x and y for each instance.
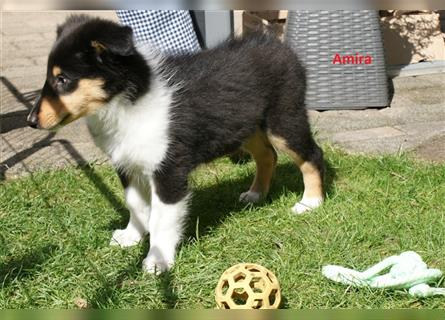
(158, 118)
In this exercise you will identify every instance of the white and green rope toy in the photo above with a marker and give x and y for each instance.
(407, 271)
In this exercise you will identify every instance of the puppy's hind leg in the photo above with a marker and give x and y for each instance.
(137, 196)
(265, 158)
(309, 158)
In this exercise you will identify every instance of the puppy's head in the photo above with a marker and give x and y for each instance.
(85, 70)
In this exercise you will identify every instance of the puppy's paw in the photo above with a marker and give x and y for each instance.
(306, 205)
(156, 265)
(125, 238)
(250, 197)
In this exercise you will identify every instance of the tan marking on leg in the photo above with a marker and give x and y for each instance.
(56, 71)
(265, 158)
(313, 185)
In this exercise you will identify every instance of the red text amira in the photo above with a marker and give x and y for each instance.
(351, 59)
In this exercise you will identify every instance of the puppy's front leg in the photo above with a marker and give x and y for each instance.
(137, 196)
(168, 209)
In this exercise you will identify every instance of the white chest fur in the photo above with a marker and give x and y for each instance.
(135, 136)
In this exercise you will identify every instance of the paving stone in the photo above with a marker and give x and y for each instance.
(433, 149)
(366, 134)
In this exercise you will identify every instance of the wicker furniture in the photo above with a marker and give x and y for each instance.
(318, 36)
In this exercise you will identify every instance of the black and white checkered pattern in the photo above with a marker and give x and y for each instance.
(169, 31)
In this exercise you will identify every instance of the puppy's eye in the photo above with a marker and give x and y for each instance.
(61, 80)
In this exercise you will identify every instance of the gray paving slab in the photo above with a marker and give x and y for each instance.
(367, 134)
(432, 149)
(416, 118)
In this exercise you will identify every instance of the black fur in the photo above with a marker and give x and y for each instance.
(223, 94)
(226, 94)
(123, 68)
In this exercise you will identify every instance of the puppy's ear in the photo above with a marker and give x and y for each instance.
(118, 41)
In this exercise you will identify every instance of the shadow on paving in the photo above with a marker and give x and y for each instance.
(87, 170)
(16, 119)
(45, 142)
(22, 155)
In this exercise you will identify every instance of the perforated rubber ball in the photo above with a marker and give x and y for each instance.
(248, 286)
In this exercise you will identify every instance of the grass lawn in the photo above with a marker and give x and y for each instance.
(56, 226)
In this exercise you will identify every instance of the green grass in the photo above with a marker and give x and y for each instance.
(55, 228)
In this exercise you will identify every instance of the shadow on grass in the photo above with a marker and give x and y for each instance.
(110, 287)
(165, 286)
(211, 205)
(26, 265)
(91, 174)
(107, 295)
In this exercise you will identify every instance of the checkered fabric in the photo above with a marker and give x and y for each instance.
(170, 31)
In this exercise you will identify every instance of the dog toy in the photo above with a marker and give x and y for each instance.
(407, 271)
(248, 286)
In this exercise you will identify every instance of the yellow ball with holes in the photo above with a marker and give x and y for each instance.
(248, 286)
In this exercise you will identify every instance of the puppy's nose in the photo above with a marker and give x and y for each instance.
(32, 119)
